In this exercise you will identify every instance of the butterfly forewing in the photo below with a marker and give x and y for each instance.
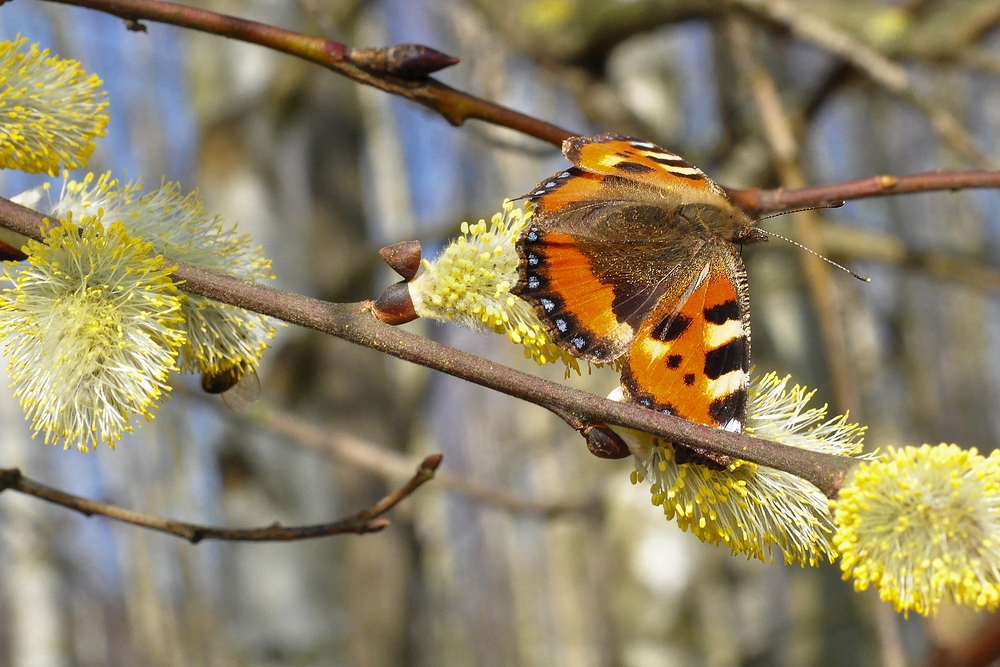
(595, 263)
(641, 161)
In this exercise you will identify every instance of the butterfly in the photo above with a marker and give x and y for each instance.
(631, 253)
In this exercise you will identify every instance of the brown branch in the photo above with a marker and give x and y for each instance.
(367, 521)
(764, 201)
(401, 70)
(845, 243)
(355, 323)
(457, 106)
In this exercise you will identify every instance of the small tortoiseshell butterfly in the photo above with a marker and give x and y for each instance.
(631, 252)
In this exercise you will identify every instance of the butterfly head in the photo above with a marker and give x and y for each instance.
(750, 234)
(721, 219)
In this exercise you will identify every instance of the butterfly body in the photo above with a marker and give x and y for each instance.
(632, 253)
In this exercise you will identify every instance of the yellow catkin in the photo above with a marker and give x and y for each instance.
(922, 525)
(50, 110)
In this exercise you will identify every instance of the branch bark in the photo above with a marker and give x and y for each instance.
(355, 323)
(403, 73)
(765, 201)
(366, 521)
(457, 106)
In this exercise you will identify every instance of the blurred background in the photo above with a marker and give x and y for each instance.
(531, 552)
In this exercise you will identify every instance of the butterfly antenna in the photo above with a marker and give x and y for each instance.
(833, 204)
(860, 277)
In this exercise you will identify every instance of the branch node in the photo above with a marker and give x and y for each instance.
(885, 182)
(9, 478)
(374, 526)
(134, 26)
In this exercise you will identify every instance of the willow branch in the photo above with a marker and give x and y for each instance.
(367, 521)
(355, 323)
(765, 201)
(405, 75)
(457, 106)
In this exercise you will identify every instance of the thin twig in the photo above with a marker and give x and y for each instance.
(979, 650)
(766, 201)
(356, 64)
(980, 58)
(887, 630)
(777, 130)
(355, 323)
(367, 521)
(886, 73)
(845, 243)
(457, 106)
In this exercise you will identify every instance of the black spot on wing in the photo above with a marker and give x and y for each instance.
(723, 312)
(671, 328)
(674, 361)
(729, 407)
(733, 356)
(689, 379)
(633, 167)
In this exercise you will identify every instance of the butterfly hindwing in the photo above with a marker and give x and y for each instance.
(691, 357)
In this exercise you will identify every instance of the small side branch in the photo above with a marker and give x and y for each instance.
(767, 201)
(888, 74)
(367, 521)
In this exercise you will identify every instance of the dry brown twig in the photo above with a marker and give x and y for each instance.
(366, 521)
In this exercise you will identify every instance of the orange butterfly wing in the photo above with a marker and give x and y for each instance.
(642, 161)
(596, 257)
(691, 357)
(630, 252)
